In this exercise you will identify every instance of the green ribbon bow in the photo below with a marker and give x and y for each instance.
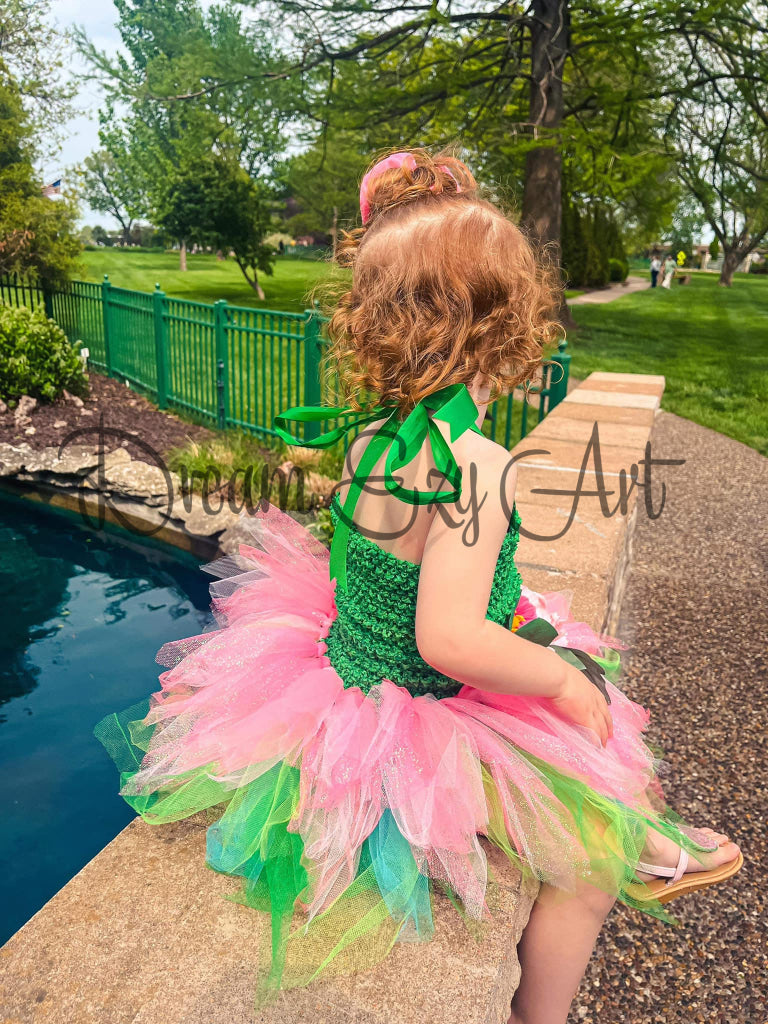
(401, 440)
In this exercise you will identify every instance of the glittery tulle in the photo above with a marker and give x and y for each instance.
(342, 810)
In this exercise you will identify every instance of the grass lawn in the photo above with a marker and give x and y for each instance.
(207, 278)
(710, 343)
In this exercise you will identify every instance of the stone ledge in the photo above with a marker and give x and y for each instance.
(623, 399)
(142, 934)
(591, 558)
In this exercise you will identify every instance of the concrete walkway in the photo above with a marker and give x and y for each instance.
(613, 291)
(696, 615)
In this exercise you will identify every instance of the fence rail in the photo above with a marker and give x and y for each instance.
(232, 366)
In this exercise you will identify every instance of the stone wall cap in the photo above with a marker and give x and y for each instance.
(588, 396)
(654, 379)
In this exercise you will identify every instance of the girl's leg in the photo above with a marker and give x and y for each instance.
(554, 952)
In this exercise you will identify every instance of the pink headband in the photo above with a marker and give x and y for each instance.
(387, 164)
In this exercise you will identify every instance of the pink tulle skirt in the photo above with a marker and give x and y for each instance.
(253, 719)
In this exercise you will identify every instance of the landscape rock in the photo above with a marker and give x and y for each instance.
(24, 410)
(131, 478)
(12, 458)
(72, 399)
(202, 520)
(3, 408)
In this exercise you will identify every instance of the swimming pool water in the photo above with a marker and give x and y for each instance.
(82, 616)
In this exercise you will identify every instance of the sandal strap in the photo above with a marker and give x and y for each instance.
(673, 874)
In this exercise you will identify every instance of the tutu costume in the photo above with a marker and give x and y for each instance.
(348, 780)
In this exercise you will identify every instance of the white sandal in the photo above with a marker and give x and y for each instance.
(681, 881)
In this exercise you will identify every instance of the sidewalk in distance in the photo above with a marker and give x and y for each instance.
(143, 933)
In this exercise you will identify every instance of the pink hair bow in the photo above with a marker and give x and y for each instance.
(387, 164)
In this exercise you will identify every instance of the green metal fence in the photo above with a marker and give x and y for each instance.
(232, 366)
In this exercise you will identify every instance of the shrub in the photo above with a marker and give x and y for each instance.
(36, 358)
(618, 270)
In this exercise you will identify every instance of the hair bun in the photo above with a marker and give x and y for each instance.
(410, 176)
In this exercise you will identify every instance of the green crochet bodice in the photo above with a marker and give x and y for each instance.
(374, 635)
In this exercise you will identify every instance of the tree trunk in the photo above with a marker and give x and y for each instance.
(334, 231)
(542, 193)
(731, 260)
(183, 255)
(542, 212)
(252, 281)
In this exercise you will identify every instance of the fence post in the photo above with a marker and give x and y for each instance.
(558, 389)
(105, 289)
(312, 391)
(220, 330)
(47, 298)
(161, 363)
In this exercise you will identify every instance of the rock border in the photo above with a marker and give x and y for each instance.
(114, 487)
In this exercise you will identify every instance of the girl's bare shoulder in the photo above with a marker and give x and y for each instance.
(487, 467)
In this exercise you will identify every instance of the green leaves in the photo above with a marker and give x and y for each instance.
(539, 631)
(37, 235)
(584, 663)
(36, 358)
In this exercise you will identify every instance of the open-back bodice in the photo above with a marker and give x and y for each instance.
(374, 635)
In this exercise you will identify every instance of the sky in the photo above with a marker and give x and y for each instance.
(81, 134)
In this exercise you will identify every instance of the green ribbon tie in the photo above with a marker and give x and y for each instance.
(401, 440)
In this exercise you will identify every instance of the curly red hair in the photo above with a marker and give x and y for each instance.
(444, 287)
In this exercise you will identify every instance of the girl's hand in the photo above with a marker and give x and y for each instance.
(581, 702)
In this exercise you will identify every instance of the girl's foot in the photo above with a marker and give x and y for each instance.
(666, 853)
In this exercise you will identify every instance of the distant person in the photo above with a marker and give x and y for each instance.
(667, 272)
(655, 268)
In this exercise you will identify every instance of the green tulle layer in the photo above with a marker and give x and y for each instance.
(389, 899)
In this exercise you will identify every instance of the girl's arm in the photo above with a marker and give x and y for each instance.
(452, 632)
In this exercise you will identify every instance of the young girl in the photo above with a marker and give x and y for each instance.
(361, 723)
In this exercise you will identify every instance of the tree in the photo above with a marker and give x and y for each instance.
(324, 180)
(216, 203)
(240, 220)
(719, 134)
(101, 237)
(722, 153)
(686, 226)
(32, 54)
(184, 209)
(534, 78)
(37, 236)
(173, 47)
(111, 186)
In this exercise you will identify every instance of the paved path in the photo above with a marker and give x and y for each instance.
(696, 616)
(613, 291)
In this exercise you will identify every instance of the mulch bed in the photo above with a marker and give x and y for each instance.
(122, 409)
